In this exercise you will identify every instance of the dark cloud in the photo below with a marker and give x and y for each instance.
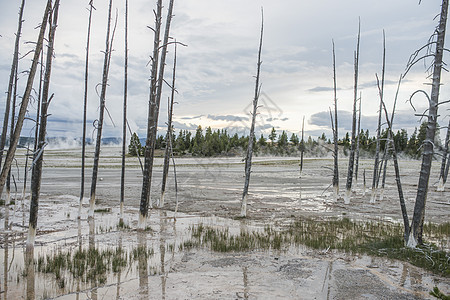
(403, 120)
(191, 118)
(227, 118)
(184, 126)
(321, 89)
(276, 119)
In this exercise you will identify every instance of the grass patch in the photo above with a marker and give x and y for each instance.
(90, 265)
(102, 210)
(373, 238)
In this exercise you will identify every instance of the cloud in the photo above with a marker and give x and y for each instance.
(191, 118)
(321, 89)
(227, 118)
(403, 119)
(184, 126)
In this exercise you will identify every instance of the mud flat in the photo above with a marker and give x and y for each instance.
(209, 193)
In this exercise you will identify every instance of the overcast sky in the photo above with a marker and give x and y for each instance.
(215, 73)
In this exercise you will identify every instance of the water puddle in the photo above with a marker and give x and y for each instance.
(96, 259)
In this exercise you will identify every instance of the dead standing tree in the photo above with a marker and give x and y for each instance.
(357, 140)
(154, 104)
(351, 159)
(14, 139)
(334, 126)
(86, 77)
(248, 159)
(39, 154)
(12, 77)
(394, 158)
(445, 162)
(168, 150)
(124, 124)
(106, 63)
(377, 147)
(415, 236)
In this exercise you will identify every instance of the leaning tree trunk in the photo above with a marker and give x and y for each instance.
(98, 141)
(12, 77)
(248, 159)
(334, 126)
(415, 236)
(14, 139)
(377, 148)
(124, 125)
(86, 77)
(36, 175)
(444, 164)
(395, 159)
(351, 159)
(13, 116)
(168, 151)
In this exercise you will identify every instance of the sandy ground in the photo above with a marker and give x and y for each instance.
(209, 191)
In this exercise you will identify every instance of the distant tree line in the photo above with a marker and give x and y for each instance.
(220, 143)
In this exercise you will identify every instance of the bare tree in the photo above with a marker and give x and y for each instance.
(12, 77)
(351, 160)
(13, 116)
(124, 125)
(14, 139)
(86, 77)
(415, 236)
(394, 158)
(106, 63)
(357, 140)
(334, 126)
(445, 162)
(168, 151)
(39, 154)
(377, 147)
(154, 104)
(302, 146)
(248, 159)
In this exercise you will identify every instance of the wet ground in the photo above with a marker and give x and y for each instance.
(209, 192)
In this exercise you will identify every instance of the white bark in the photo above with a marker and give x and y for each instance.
(347, 196)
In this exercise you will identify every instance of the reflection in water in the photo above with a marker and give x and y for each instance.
(5, 267)
(80, 244)
(142, 264)
(91, 222)
(246, 288)
(29, 271)
(120, 269)
(162, 250)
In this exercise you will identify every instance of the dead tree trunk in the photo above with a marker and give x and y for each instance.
(415, 236)
(38, 156)
(168, 151)
(14, 139)
(248, 159)
(106, 63)
(377, 148)
(394, 158)
(445, 162)
(357, 140)
(12, 77)
(154, 104)
(86, 77)
(302, 146)
(334, 125)
(351, 159)
(151, 136)
(124, 125)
